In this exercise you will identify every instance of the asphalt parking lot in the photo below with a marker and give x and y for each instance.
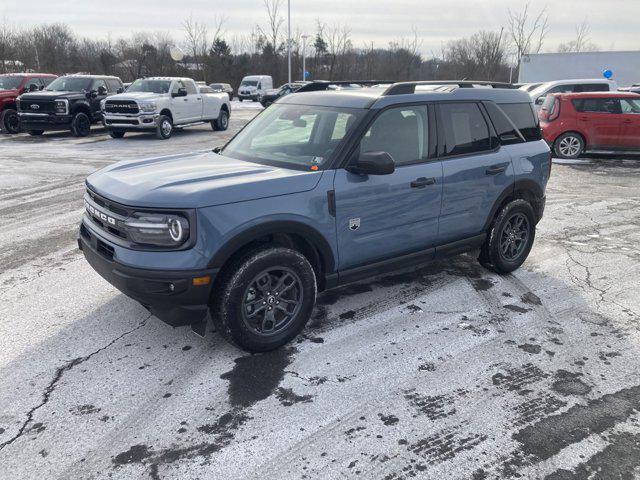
(448, 371)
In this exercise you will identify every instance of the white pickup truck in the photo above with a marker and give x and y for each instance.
(162, 104)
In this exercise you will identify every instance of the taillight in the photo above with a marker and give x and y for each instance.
(554, 111)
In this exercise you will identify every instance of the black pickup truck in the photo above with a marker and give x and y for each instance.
(71, 103)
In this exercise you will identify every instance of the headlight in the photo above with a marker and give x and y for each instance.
(61, 106)
(158, 229)
(147, 107)
(102, 103)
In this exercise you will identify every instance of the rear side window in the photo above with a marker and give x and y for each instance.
(506, 130)
(191, 88)
(113, 84)
(466, 130)
(592, 87)
(597, 105)
(523, 116)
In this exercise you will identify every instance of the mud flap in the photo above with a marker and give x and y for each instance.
(200, 328)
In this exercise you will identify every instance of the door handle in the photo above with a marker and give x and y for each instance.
(495, 170)
(584, 118)
(626, 121)
(422, 182)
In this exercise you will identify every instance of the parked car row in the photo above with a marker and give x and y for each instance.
(36, 103)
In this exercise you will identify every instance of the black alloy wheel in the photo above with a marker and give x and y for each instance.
(514, 236)
(272, 300)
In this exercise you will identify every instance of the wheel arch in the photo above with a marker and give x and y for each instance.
(576, 131)
(524, 189)
(81, 107)
(167, 112)
(300, 236)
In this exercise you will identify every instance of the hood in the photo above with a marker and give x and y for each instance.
(138, 96)
(47, 95)
(8, 93)
(196, 180)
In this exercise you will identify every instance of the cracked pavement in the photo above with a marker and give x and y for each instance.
(448, 371)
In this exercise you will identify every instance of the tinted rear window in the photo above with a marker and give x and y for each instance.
(523, 116)
(504, 128)
(466, 130)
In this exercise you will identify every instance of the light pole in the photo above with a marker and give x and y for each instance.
(289, 36)
(304, 56)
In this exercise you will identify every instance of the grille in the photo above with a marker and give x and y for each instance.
(44, 106)
(121, 106)
(107, 215)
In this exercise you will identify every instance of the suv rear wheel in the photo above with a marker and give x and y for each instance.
(264, 298)
(569, 145)
(510, 238)
(80, 125)
(10, 121)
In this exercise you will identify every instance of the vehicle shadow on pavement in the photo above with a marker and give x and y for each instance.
(430, 367)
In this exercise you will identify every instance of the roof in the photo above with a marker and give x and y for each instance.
(87, 75)
(373, 97)
(167, 78)
(23, 74)
(598, 95)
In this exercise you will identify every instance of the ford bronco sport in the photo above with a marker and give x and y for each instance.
(319, 190)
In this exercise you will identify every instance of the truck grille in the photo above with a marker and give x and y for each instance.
(37, 106)
(121, 106)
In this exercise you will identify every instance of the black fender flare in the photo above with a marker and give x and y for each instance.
(80, 106)
(523, 188)
(245, 237)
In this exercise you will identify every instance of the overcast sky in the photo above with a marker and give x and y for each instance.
(614, 23)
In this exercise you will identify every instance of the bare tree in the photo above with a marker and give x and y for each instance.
(338, 42)
(582, 41)
(275, 21)
(527, 31)
(196, 41)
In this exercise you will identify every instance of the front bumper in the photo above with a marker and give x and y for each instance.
(168, 294)
(131, 122)
(250, 96)
(44, 121)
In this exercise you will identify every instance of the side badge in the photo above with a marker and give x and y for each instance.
(354, 223)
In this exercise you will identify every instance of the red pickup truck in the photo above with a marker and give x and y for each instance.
(12, 85)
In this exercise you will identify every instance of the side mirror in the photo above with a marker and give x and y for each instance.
(120, 90)
(217, 149)
(373, 163)
(182, 92)
(102, 90)
(540, 100)
(33, 87)
(93, 94)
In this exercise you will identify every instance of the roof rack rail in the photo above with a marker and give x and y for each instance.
(319, 85)
(402, 88)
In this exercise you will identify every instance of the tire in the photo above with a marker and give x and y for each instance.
(502, 252)
(10, 121)
(81, 125)
(117, 133)
(569, 145)
(222, 122)
(36, 133)
(242, 285)
(164, 128)
(240, 99)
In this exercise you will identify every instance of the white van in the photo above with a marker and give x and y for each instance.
(252, 86)
(539, 94)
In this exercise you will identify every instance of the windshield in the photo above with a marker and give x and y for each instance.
(10, 82)
(152, 86)
(249, 83)
(294, 136)
(70, 84)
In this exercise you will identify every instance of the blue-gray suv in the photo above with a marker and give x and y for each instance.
(321, 189)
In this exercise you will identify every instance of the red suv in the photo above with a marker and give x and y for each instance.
(573, 123)
(12, 85)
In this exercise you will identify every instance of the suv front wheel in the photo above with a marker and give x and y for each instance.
(264, 298)
(510, 238)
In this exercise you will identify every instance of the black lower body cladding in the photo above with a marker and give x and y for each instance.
(169, 294)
